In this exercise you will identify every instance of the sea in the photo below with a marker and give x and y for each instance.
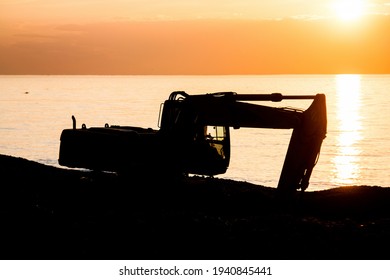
(356, 151)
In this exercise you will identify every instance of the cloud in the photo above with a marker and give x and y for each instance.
(72, 11)
(308, 17)
(199, 47)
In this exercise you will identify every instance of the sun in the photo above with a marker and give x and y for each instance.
(348, 10)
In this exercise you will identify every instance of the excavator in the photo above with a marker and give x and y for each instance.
(193, 137)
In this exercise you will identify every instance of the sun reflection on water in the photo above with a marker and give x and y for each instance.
(346, 161)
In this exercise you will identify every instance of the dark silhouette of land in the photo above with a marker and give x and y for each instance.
(55, 213)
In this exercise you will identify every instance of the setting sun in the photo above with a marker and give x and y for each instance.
(348, 10)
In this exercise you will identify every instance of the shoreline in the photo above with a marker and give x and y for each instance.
(55, 213)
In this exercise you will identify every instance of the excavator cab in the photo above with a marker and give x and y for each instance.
(194, 144)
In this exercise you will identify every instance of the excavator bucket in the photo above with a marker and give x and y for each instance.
(304, 148)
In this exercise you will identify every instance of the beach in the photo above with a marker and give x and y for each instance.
(57, 213)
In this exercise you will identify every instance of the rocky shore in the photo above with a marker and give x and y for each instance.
(54, 213)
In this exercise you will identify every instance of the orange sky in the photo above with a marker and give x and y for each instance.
(185, 37)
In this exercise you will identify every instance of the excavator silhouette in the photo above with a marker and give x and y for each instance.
(193, 137)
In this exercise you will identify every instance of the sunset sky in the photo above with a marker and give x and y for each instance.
(194, 36)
